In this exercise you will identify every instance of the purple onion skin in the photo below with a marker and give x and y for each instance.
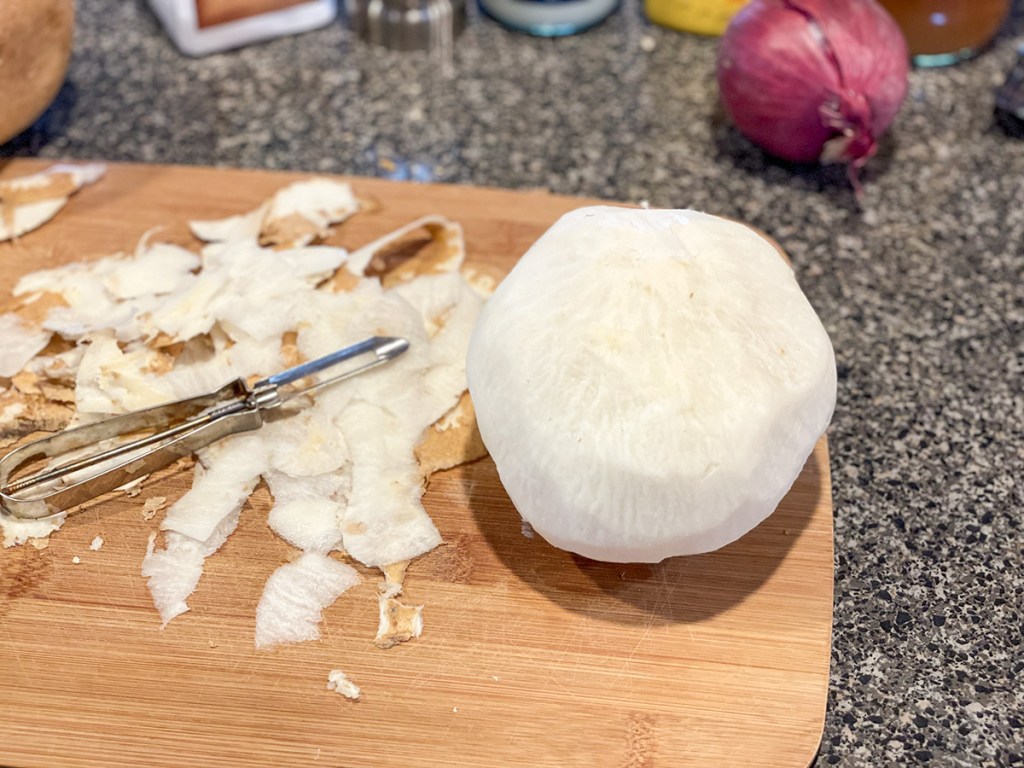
(814, 80)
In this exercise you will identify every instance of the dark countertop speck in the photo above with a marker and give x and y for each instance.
(921, 289)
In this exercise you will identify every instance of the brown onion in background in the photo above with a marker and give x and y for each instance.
(35, 45)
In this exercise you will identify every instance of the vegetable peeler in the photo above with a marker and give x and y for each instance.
(178, 429)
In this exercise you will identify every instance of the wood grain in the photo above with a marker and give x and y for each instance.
(530, 657)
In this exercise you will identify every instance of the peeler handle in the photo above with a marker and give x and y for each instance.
(188, 425)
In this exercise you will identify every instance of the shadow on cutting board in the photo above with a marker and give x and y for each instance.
(680, 589)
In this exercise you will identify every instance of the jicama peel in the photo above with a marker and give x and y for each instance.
(345, 468)
(28, 202)
(296, 594)
(649, 383)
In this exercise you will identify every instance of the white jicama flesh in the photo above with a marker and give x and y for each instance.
(201, 521)
(649, 383)
(16, 530)
(338, 682)
(22, 342)
(296, 594)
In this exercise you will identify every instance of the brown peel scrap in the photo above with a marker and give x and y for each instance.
(27, 383)
(303, 212)
(443, 253)
(399, 622)
(33, 189)
(152, 505)
(28, 202)
(342, 281)
(394, 577)
(397, 257)
(34, 309)
(289, 230)
(294, 217)
(453, 439)
(57, 393)
(34, 404)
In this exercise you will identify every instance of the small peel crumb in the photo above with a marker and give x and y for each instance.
(399, 622)
(338, 682)
(76, 560)
(527, 530)
(134, 488)
(96, 543)
(153, 505)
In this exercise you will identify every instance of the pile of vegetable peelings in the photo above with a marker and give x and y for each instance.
(257, 295)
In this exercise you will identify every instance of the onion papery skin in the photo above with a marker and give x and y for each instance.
(814, 80)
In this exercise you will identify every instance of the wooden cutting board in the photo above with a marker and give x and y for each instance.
(530, 656)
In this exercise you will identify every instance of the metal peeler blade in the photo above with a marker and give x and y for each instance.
(177, 429)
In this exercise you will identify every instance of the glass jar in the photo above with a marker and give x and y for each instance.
(942, 32)
(549, 18)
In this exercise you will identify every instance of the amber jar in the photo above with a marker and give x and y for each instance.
(941, 32)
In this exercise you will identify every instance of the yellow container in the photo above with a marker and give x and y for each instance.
(705, 17)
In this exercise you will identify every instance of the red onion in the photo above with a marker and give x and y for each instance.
(814, 79)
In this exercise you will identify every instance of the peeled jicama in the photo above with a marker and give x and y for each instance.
(649, 382)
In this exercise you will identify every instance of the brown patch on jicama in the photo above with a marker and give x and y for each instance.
(57, 345)
(480, 280)
(291, 357)
(342, 281)
(452, 440)
(164, 358)
(443, 252)
(394, 576)
(393, 255)
(289, 231)
(162, 340)
(26, 382)
(436, 323)
(160, 364)
(34, 309)
(290, 354)
(354, 529)
(57, 393)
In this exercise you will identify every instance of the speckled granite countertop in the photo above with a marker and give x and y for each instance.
(921, 289)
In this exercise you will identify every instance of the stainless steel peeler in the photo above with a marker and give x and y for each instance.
(178, 429)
